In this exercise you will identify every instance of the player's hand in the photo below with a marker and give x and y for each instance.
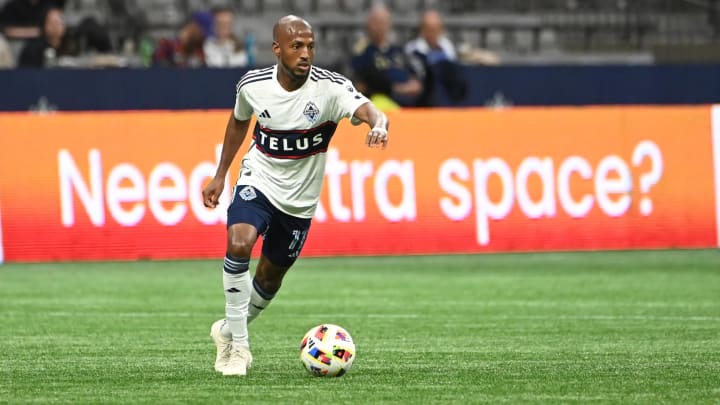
(211, 193)
(377, 137)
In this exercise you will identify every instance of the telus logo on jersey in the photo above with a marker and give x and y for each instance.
(293, 144)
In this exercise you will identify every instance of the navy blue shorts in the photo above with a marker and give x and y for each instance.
(283, 234)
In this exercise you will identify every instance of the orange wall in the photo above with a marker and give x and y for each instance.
(126, 185)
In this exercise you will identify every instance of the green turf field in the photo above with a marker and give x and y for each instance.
(622, 327)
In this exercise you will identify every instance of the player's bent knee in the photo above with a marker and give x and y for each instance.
(241, 239)
(240, 247)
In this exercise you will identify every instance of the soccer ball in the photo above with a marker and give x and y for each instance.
(327, 351)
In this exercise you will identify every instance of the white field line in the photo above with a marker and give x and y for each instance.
(479, 317)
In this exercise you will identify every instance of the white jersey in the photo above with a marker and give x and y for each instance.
(286, 160)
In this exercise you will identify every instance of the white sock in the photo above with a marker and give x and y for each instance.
(236, 282)
(259, 300)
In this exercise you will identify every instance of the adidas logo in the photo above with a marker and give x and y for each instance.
(265, 114)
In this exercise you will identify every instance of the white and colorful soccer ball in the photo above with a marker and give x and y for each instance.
(327, 350)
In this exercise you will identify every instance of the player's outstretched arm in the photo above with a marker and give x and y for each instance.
(378, 122)
(234, 136)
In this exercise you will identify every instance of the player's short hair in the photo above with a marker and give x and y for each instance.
(222, 9)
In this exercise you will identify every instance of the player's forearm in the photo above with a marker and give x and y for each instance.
(369, 114)
(378, 119)
(234, 136)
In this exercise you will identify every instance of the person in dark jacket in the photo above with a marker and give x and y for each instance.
(51, 45)
(23, 19)
(435, 60)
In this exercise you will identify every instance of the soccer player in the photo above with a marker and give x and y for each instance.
(298, 107)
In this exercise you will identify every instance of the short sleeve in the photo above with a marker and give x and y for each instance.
(243, 111)
(347, 100)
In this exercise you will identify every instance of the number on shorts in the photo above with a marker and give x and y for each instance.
(297, 242)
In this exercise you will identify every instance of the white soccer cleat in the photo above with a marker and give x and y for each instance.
(240, 361)
(224, 345)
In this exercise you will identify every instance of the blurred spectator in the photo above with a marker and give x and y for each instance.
(380, 69)
(7, 59)
(23, 19)
(205, 20)
(433, 57)
(91, 37)
(51, 45)
(184, 51)
(224, 49)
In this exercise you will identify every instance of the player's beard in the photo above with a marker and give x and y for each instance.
(295, 76)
